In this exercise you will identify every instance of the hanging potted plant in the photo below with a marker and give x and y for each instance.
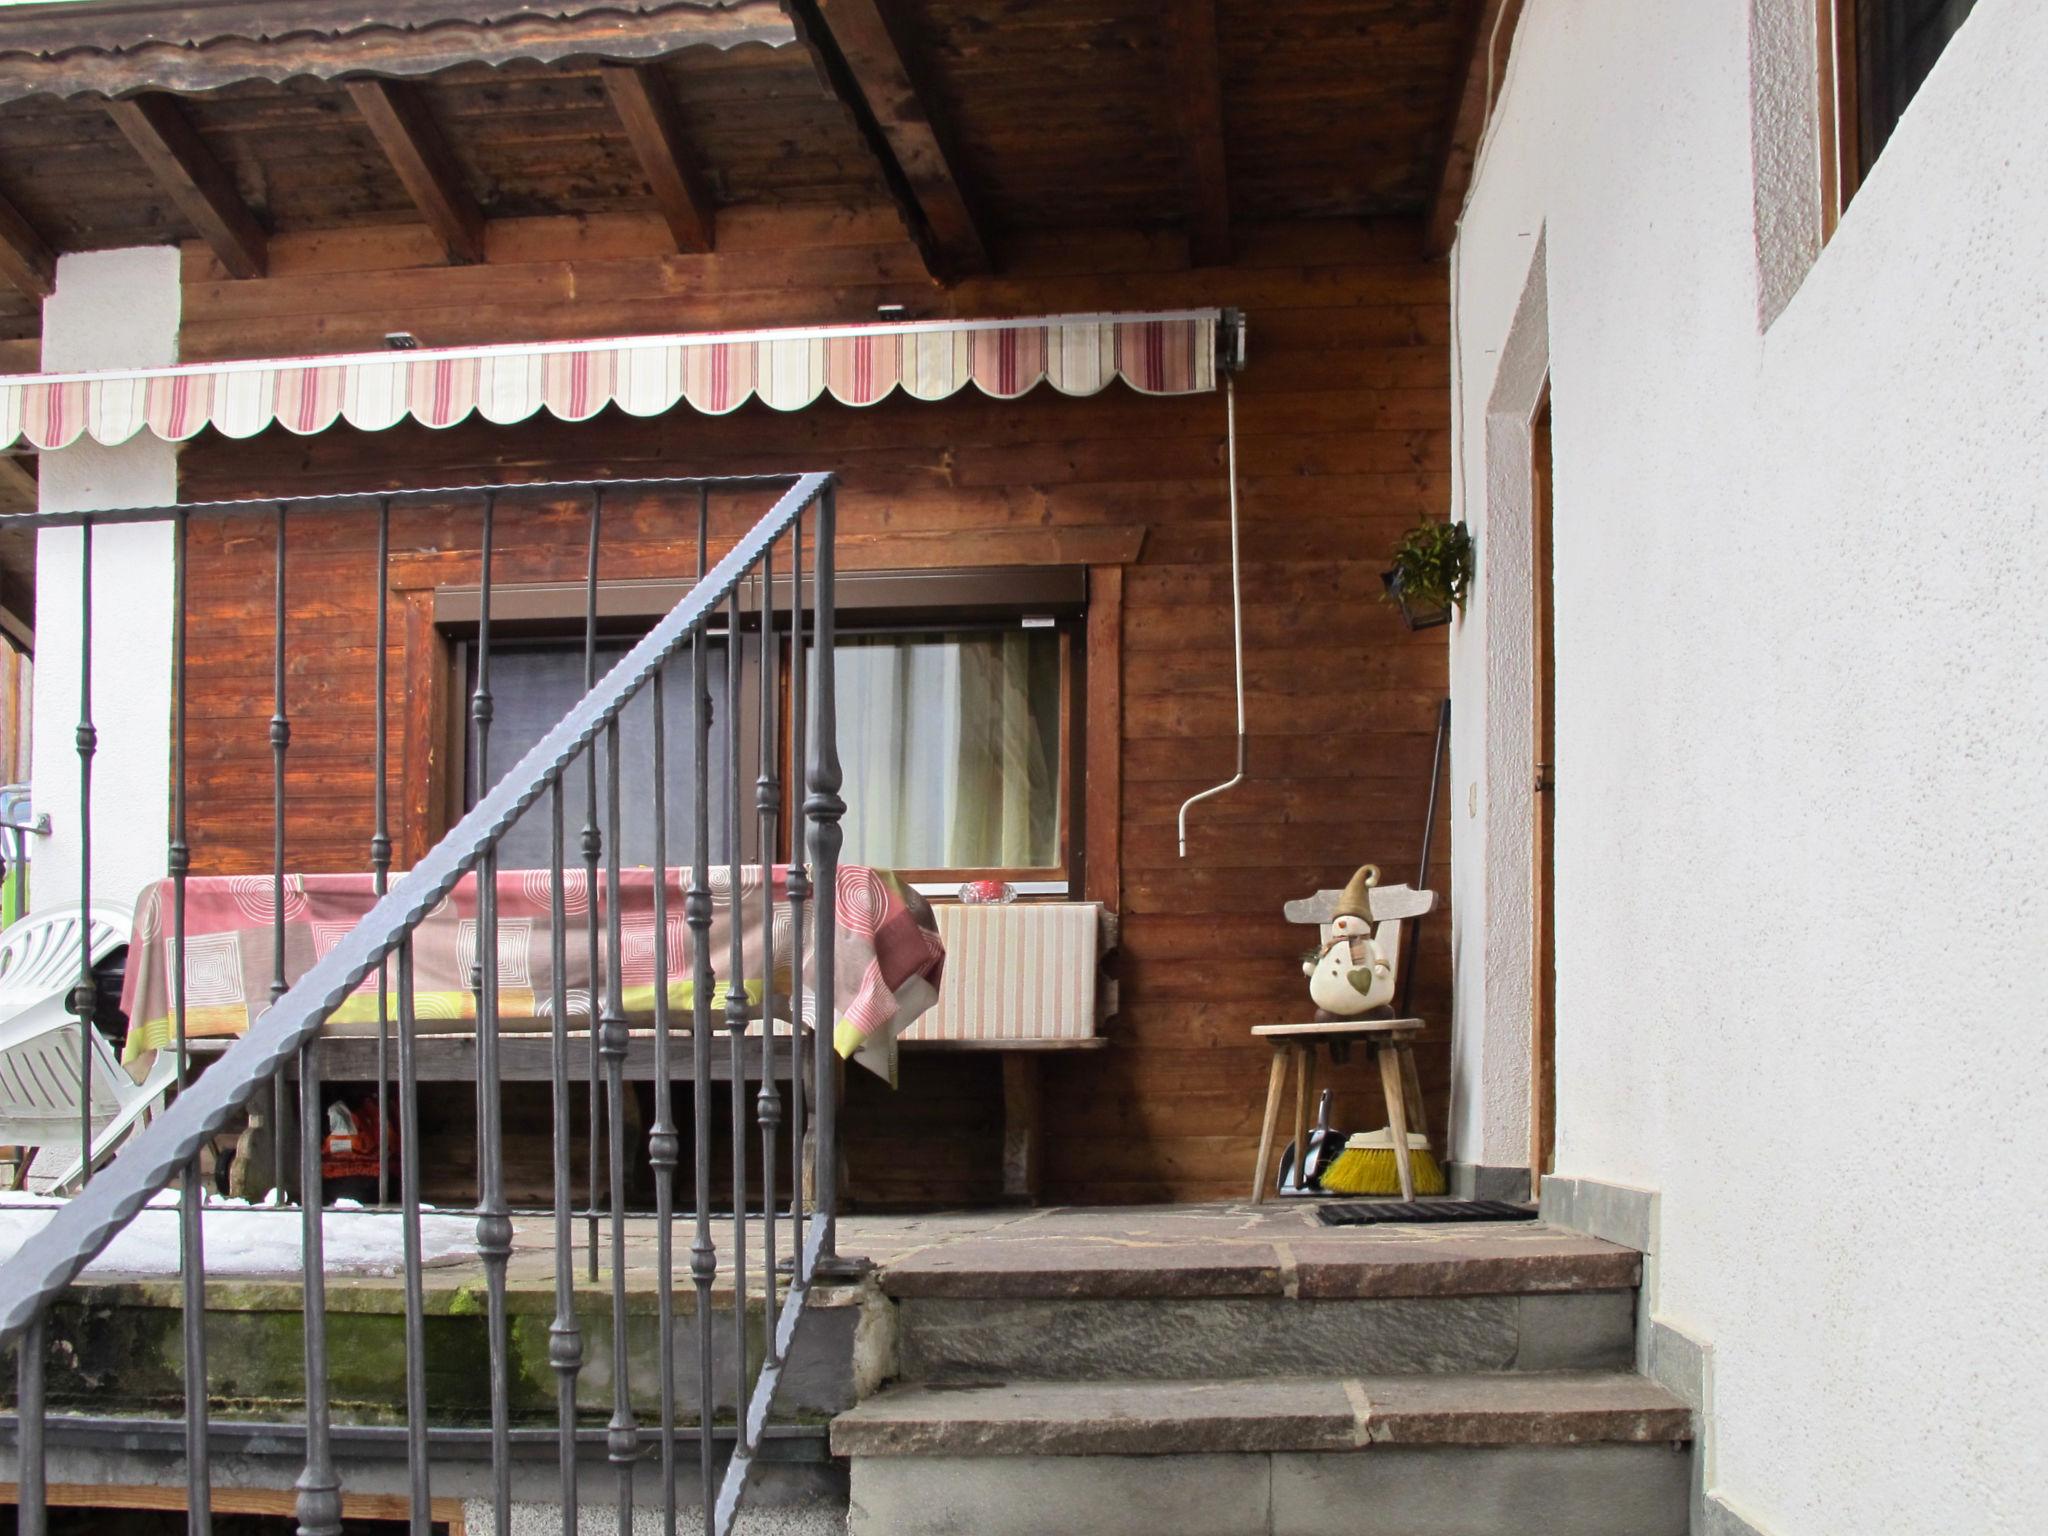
(1432, 567)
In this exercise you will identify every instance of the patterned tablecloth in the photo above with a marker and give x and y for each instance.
(890, 957)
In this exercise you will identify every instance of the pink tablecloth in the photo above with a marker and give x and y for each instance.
(890, 958)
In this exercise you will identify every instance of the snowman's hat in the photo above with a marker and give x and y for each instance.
(1355, 902)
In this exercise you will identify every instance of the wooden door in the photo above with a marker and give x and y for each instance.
(1543, 950)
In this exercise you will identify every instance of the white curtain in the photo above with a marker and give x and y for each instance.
(950, 744)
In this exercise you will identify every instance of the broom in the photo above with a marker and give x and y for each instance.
(1366, 1166)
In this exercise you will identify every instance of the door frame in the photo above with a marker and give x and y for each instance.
(1543, 810)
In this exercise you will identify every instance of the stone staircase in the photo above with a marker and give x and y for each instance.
(1472, 1381)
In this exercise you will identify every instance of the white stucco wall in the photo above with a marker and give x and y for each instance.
(111, 309)
(1802, 701)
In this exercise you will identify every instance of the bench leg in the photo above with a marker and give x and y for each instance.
(1023, 1128)
(1274, 1086)
(1397, 1114)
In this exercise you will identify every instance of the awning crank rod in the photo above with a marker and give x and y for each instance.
(1236, 606)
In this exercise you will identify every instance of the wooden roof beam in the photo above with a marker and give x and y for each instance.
(1196, 85)
(26, 259)
(412, 141)
(1486, 65)
(647, 110)
(865, 66)
(185, 168)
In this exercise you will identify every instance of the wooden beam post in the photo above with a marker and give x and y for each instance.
(412, 141)
(1486, 65)
(647, 110)
(1196, 86)
(201, 187)
(26, 260)
(864, 65)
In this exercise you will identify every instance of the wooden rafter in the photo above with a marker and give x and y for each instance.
(864, 65)
(640, 96)
(26, 259)
(112, 49)
(18, 484)
(412, 141)
(1486, 64)
(1196, 86)
(201, 187)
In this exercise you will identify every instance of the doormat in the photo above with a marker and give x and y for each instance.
(1366, 1213)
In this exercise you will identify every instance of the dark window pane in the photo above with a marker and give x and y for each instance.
(1897, 42)
(533, 686)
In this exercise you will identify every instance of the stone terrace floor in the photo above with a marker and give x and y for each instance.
(1232, 1249)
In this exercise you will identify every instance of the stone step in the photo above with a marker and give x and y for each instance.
(1125, 1261)
(1566, 1454)
(943, 1339)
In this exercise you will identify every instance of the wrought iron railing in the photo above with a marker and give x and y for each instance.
(252, 1071)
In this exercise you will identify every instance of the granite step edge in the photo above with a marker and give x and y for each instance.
(1304, 1271)
(1304, 1414)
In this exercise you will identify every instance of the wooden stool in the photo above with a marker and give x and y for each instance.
(1390, 1040)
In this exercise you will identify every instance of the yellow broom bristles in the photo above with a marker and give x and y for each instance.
(1366, 1166)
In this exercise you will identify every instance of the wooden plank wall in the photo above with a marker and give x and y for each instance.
(1343, 418)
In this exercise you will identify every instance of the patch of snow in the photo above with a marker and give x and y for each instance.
(248, 1240)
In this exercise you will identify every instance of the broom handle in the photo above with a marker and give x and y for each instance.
(1436, 774)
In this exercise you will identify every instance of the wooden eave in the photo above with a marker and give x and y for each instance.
(71, 50)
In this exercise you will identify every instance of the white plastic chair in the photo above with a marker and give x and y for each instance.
(39, 1049)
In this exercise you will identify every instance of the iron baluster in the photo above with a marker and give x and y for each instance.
(191, 1216)
(593, 843)
(697, 913)
(33, 1514)
(799, 893)
(565, 1333)
(662, 1142)
(85, 995)
(418, 1473)
(824, 808)
(319, 1488)
(767, 795)
(736, 1004)
(380, 842)
(493, 1222)
(622, 1440)
(280, 743)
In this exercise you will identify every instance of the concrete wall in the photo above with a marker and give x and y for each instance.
(111, 309)
(1801, 508)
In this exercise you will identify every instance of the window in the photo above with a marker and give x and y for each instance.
(958, 714)
(533, 684)
(953, 745)
(1874, 54)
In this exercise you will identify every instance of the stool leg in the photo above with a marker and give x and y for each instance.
(1274, 1084)
(1304, 1085)
(1397, 1115)
(1418, 1111)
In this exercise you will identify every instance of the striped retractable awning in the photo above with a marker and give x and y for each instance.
(1170, 353)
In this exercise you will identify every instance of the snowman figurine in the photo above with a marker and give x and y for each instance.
(1350, 976)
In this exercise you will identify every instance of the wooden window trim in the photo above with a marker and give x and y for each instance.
(1838, 74)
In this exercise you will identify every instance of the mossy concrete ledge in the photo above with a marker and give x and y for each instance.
(117, 1349)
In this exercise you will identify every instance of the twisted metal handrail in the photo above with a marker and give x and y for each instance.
(49, 1261)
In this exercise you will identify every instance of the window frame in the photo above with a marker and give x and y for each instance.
(868, 602)
(1853, 84)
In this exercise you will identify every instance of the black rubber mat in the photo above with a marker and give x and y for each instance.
(1365, 1213)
